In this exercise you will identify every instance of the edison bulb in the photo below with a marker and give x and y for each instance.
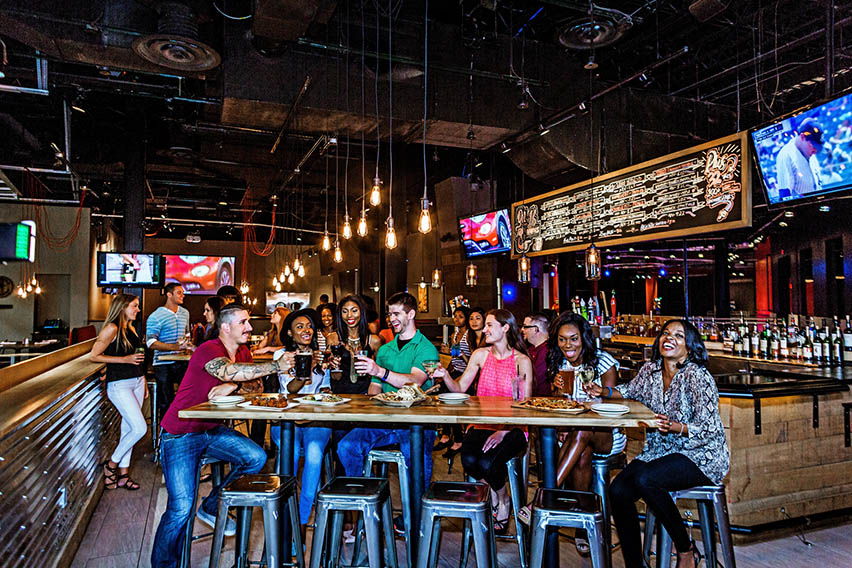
(277, 287)
(376, 192)
(286, 270)
(436, 278)
(422, 282)
(297, 262)
(424, 225)
(29, 287)
(347, 228)
(291, 278)
(326, 241)
(390, 236)
(38, 290)
(338, 254)
(275, 281)
(362, 224)
(301, 271)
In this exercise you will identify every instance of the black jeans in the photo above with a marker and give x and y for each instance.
(167, 376)
(652, 481)
(490, 465)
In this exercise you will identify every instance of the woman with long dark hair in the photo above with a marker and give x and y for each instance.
(474, 338)
(211, 309)
(271, 341)
(298, 333)
(572, 342)
(119, 346)
(486, 449)
(688, 447)
(351, 337)
(328, 319)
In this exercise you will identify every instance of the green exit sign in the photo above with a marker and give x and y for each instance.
(17, 241)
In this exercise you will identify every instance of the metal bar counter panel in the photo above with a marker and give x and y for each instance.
(54, 430)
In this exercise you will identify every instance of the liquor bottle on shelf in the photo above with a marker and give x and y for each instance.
(738, 344)
(774, 343)
(746, 340)
(794, 353)
(826, 345)
(755, 342)
(837, 348)
(808, 349)
(847, 343)
(817, 345)
(764, 343)
(784, 344)
(714, 330)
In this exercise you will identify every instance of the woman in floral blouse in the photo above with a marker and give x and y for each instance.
(687, 449)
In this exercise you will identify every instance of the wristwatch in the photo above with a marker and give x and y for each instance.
(385, 376)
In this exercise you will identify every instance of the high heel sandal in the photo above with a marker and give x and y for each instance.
(128, 484)
(110, 479)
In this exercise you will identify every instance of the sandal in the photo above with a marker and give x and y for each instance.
(501, 527)
(129, 484)
(110, 480)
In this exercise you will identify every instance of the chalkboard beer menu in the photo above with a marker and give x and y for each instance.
(698, 190)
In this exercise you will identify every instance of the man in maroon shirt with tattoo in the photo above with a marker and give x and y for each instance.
(534, 331)
(218, 367)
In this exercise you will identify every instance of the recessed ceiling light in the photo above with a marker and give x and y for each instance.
(789, 214)
(782, 224)
(825, 208)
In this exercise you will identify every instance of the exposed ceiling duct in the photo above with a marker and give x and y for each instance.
(176, 44)
(602, 27)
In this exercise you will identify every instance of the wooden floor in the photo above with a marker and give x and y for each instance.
(122, 528)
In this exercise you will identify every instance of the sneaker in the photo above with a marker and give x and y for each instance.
(524, 515)
(210, 520)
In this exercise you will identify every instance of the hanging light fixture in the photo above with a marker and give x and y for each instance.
(593, 263)
(291, 278)
(301, 271)
(326, 241)
(523, 269)
(38, 289)
(282, 276)
(436, 278)
(338, 254)
(347, 228)
(423, 282)
(362, 224)
(390, 236)
(277, 286)
(274, 281)
(470, 275)
(287, 269)
(425, 223)
(244, 288)
(297, 262)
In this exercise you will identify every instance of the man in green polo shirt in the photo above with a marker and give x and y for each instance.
(397, 363)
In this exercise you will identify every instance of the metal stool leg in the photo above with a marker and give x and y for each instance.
(599, 547)
(465, 542)
(600, 486)
(335, 536)
(720, 506)
(243, 533)
(427, 522)
(435, 549)
(293, 506)
(664, 548)
(537, 544)
(649, 535)
(374, 542)
(708, 531)
(218, 534)
(518, 491)
(390, 540)
(319, 536)
(272, 533)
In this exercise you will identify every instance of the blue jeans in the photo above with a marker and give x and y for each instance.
(310, 442)
(353, 448)
(180, 456)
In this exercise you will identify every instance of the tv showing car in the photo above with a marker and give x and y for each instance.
(806, 156)
(488, 233)
(127, 269)
(202, 275)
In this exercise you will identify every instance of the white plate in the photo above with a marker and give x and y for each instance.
(309, 400)
(227, 400)
(248, 404)
(453, 397)
(608, 408)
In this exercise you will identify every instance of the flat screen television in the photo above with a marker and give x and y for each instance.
(806, 156)
(488, 233)
(117, 269)
(202, 275)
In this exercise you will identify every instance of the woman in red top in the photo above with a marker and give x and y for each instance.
(487, 449)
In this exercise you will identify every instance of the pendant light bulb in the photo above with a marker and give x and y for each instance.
(593, 263)
(362, 224)
(347, 228)
(471, 275)
(436, 278)
(301, 271)
(277, 286)
(291, 278)
(38, 290)
(286, 270)
(523, 269)
(282, 276)
(244, 288)
(297, 262)
(338, 254)
(326, 241)
(34, 282)
(390, 236)
(425, 223)
(275, 281)
(376, 192)
(29, 287)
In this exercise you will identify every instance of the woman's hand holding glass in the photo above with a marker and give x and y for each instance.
(593, 389)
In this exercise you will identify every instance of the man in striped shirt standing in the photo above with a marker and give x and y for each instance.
(165, 333)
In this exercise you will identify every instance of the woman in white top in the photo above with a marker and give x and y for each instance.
(309, 441)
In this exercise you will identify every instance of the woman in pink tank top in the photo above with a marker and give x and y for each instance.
(487, 449)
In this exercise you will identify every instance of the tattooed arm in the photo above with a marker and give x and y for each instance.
(229, 372)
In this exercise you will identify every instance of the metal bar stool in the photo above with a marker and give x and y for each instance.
(602, 466)
(468, 501)
(576, 509)
(155, 420)
(273, 494)
(368, 495)
(383, 458)
(711, 502)
(217, 471)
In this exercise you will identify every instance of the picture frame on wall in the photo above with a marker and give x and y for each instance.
(422, 299)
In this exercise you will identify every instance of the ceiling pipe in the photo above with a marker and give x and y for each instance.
(211, 222)
(290, 113)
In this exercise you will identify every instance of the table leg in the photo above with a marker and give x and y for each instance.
(285, 467)
(417, 483)
(548, 450)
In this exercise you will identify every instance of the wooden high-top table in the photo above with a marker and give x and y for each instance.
(485, 410)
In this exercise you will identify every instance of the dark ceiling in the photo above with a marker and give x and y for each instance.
(245, 93)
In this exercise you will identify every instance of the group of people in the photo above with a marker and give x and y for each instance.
(491, 355)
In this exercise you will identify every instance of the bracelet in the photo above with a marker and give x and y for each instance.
(610, 392)
(385, 376)
(681, 428)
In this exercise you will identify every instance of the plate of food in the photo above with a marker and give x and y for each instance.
(404, 397)
(271, 402)
(323, 399)
(610, 409)
(564, 405)
(453, 397)
(228, 400)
